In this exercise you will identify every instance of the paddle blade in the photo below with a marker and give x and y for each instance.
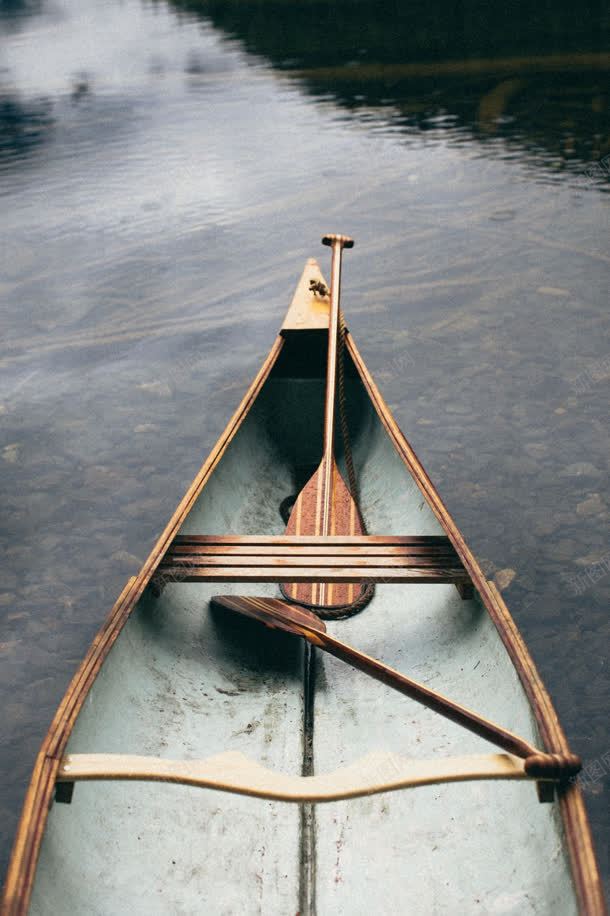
(306, 520)
(273, 613)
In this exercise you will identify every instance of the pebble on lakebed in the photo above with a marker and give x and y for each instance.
(504, 577)
(11, 452)
(581, 469)
(592, 505)
(127, 561)
(160, 389)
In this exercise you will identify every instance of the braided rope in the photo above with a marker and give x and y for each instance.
(561, 767)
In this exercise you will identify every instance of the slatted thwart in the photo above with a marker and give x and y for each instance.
(264, 558)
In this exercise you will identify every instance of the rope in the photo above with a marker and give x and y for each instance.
(347, 448)
(341, 611)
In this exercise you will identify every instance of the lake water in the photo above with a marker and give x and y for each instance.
(165, 170)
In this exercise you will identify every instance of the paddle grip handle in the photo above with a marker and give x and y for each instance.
(332, 238)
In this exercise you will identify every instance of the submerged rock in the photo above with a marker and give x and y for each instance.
(581, 469)
(593, 505)
(126, 561)
(504, 577)
(10, 453)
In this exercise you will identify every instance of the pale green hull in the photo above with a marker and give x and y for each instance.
(182, 682)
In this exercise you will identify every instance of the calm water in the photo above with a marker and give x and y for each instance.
(166, 168)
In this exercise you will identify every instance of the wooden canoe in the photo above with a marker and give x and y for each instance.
(186, 733)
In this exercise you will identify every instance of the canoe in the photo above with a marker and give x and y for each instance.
(200, 763)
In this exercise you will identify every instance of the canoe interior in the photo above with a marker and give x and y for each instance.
(182, 682)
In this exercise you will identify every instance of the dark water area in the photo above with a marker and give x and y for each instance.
(165, 170)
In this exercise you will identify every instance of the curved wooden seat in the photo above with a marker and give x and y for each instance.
(380, 771)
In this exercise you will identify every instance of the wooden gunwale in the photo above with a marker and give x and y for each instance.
(40, 792)
(39, 795)
(571, 802)
(585, 873)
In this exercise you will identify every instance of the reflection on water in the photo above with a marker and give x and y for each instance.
(23, 126)
(536, 82)
(165, 169)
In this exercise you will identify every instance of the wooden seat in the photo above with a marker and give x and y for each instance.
(264, 558)
(379, 771)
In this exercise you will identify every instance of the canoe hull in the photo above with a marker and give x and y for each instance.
(168, 677)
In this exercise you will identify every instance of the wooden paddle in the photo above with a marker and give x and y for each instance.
(280, 615)
(325, 505)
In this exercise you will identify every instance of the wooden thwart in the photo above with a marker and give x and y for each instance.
(268, 573)
(364, 558)
(234, 772)
(364, 540)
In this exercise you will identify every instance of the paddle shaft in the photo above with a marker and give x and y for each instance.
(275, 613)
(337, 243)
(429, 698)
(331, 364)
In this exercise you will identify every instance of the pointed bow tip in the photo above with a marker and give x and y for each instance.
(308, 310)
